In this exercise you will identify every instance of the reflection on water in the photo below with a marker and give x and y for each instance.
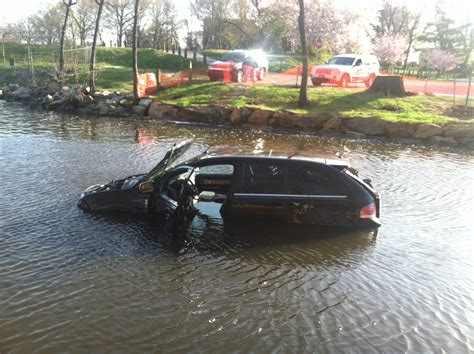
(73, 281)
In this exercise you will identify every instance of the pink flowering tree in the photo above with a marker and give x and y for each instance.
(438, 59)
(390, 49)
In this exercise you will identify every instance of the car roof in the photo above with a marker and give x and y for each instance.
(241, 157)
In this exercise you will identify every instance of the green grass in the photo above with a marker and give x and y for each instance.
(324, 101)
(114, 71)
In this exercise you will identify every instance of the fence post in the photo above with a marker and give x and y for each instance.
(469, 88)
(190, 77)
(186, 52)
(158, 78)
(204, 58)
(194, 55)
(454, 91)
(173, 49)
(179, 51)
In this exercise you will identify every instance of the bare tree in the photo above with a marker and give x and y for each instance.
(134, 50)
(84, 18)
(303, 99)
(68, 4)
(48, 23)
(120, 13)
(100, 3)
(26, 29)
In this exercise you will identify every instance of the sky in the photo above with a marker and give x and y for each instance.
(13, 10)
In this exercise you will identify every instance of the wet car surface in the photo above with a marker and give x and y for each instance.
(287, 189)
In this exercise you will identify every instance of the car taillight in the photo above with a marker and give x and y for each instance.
(367, 212)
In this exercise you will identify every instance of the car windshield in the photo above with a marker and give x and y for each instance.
(239, 56)
(341, 61)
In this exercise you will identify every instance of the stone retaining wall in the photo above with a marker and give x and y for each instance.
(80, 101)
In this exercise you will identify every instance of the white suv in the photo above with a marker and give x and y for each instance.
(346, 68)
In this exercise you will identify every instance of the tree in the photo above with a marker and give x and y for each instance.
(84, 18)
(120, 15)
(389, 49)
(100, 3)
(163, 27)
(134, 50)
(48, 24)
(438, 59)
(26, 29)
(303, 99)
(68, 4)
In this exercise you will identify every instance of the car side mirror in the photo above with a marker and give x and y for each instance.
(146, 187)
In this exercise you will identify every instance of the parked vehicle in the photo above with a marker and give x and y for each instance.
(286, 189)
(231, 66)
(344, 69)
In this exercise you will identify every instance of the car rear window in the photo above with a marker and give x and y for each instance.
(264, 178)
(312, 180)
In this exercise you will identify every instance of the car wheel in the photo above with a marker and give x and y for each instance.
(370, 80)
(344, 81)
(316, 82)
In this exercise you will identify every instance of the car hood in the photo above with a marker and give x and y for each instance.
(223, 65)
(170, 157)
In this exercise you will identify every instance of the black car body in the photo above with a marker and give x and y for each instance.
(248, 187)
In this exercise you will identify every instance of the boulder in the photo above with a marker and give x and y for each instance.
(400, 129)
(65, 89)
(367, 126)
(309, 122)
(260, 117)
(47, 99)
(427, 130)
(469, 142)
(459, 130)
(22, 93)
(246, 113)
(334, 123)
(56, 104)
(356, 135)
(13, 87)
(145, 102)
(192, 114)
(283, 119)
(102, 107)
(139, 110)
(158, 110)
(443, 140)
(236, 116)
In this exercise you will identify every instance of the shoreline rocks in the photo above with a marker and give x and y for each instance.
(80, 101)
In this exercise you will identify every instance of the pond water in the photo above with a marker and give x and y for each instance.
(73, 281)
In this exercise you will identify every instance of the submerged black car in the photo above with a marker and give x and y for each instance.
(249, 187)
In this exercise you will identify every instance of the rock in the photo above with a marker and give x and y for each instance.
(192, 114)
(400, 129)
(353, 134)
(65, 89)
(47, 99)
(367, 126)
(13, 87)
(427, 130)
(245, 114)
(145, 102)
(22, 93)
(459, 130)
(158, 110)
(236, 116)
(309, 122)
(443, 140)
(57, 103)
(215, 113)
(469, 142)
(1, 94)
(334, 123)
(102, 107)
(260, 117)
(139, 110)
(283, 119)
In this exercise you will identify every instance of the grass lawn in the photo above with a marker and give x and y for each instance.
(324, 101)
(114, 71)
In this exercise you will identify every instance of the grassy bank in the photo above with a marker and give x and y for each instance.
(324, 101)
(113, 64)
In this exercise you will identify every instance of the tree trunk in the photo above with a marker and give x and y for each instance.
(303, 99)
(94, 44)
(390, 86)
(63, 34)
(134, 52)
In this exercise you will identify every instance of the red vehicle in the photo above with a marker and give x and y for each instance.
(231, 67)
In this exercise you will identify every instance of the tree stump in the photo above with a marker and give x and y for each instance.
(390, 86)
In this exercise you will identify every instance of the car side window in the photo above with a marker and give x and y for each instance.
(264, 178)
(216, 170)
(358, 62)
(310, 180)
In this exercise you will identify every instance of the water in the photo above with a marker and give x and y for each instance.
(72, 281)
